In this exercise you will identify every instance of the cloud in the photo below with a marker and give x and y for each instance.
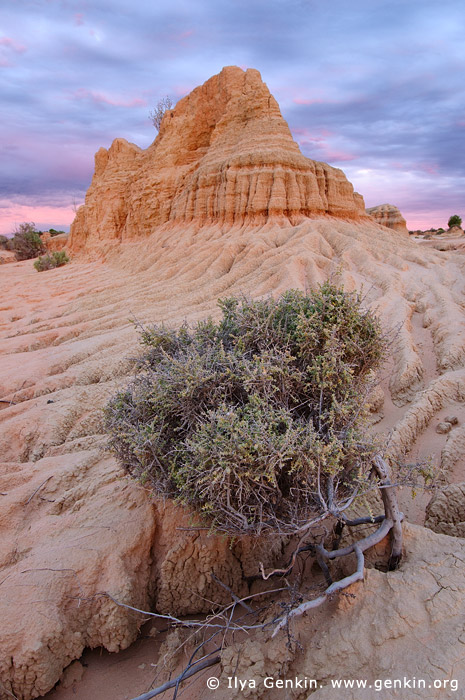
(307, 101)
(15, 46)
(368, 86)
(101, 98)
(182, 36)
(43, 216)
(322, 145)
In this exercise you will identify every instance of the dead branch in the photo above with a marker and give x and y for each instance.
(391, 509)
(334, 588)
(232, 594)
(391, 523)
(195, 668)
(363, 521)
(38, 489)
(323, 565)
(222, 621)
(194, 623)
(289, 566)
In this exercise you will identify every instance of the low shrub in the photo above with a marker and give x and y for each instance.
(49, 261)
(256, 421)
(455, 220)
(26, 242)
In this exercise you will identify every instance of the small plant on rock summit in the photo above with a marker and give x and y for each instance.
(157, 114)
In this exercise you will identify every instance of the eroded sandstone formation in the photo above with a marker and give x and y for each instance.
(55, 243)
(75, 527)
(65, 339)
(455, 231)
(7, 256)
(446, 511)
(223, 155)
(398, 625)
(390, 216)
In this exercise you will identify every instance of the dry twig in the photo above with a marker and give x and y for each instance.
(38, 489)
(187, 673)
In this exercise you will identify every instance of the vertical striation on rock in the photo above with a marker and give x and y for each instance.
(223, 155)
(388, 215)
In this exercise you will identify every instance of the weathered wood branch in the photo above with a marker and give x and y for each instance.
(391, 508)
(390, 523)
(333, 588)
(187, 673)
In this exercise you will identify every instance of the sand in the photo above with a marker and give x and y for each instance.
(67, 337)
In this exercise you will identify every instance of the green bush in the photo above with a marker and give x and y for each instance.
(48, 262)
(257, 420)
(26, 242)
(54, 232)
(454, 220)
(3, 242)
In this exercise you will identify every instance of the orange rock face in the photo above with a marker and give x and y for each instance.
(54, 243)
(223, 155)
(72, 525)
(390, 216)
(7, 256)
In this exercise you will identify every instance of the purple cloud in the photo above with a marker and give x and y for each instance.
(101, 98)
(374, 88)
(12, 44)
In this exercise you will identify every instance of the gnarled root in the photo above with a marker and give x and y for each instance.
(391, 509)
(390, 523)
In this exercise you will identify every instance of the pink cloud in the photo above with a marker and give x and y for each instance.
(12, 44)
(339, 156)
(101, 98)
(431, 168)
(311, 139)
(313, 101)
(78, 19)
(302, 101)
(434, 218)
(322, 133)
(324, 150)
(43, 216)
(398, 165)
(182, 36)
(182, 89)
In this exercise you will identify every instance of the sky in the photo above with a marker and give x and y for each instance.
(374, 87)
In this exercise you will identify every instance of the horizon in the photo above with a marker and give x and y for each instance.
(377, 92)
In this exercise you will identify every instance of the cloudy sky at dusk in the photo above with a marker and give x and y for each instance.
(375, 87)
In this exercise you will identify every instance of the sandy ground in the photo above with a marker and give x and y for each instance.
(71, 330)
